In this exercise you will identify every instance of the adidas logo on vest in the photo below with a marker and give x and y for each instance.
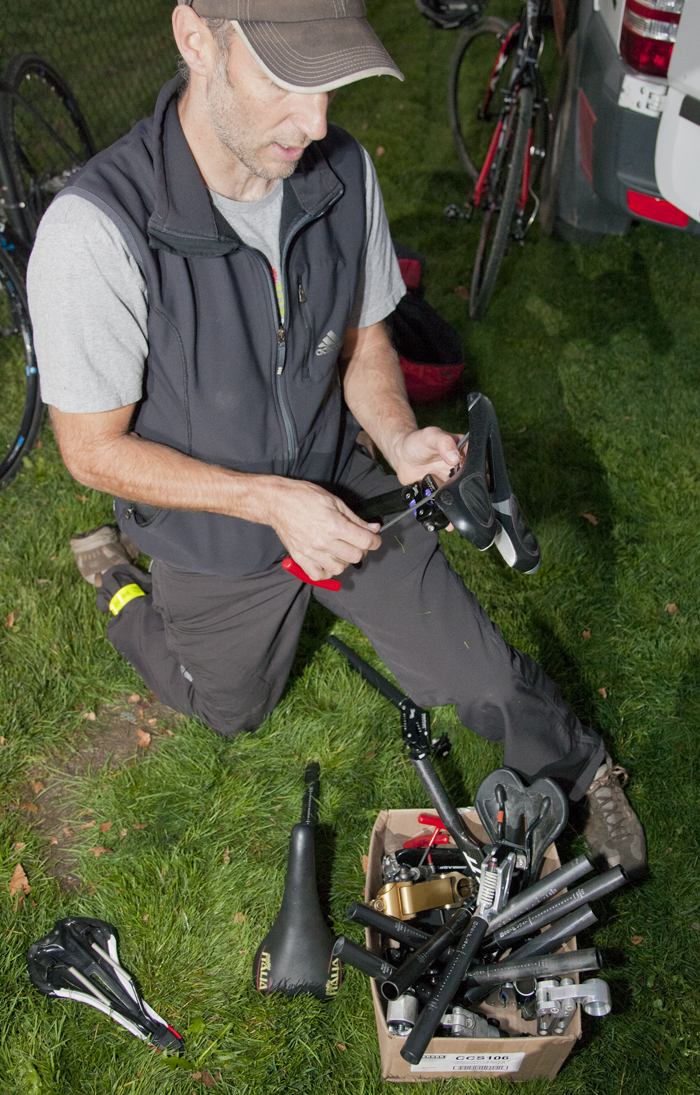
(328, 344)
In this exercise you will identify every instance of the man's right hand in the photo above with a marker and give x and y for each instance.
(319, 531)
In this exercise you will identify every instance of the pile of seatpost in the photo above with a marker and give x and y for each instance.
(442, 960)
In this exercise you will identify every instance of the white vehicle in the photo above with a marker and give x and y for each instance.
(626, 137)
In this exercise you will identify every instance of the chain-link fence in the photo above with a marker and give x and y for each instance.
(115, 54)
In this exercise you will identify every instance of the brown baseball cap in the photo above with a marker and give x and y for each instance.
(305, 45)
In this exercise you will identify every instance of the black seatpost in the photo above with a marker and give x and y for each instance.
(312, 790)
(415, 726)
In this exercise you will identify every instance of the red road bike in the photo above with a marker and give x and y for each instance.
(499, 115)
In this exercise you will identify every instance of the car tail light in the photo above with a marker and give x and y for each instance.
(656, 209)
(649, 33)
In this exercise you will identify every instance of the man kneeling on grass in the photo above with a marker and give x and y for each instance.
(207, 298)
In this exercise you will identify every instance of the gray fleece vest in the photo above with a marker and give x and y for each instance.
(225, 382)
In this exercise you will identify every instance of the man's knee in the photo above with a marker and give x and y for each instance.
(229, 724)
(234, 705)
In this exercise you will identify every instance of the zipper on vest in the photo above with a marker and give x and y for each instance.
(303, 299)
(281, 336)
(281, 341)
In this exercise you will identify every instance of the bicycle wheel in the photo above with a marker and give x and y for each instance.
(45, 133)
(480, 70)
(504, 186)
(21, 409)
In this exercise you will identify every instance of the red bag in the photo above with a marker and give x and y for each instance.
(428, 346)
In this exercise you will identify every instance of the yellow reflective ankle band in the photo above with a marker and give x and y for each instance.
(123, 596)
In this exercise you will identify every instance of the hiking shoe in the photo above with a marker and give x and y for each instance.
(613, 830)
(99, 549)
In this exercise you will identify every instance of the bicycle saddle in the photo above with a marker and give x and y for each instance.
(448, 14)
(78, 960)
(296, 956)
(531, 817)
(478, 498)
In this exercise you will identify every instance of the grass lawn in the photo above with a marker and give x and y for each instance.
(591, 358)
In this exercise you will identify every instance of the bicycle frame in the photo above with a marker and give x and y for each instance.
(529, 44)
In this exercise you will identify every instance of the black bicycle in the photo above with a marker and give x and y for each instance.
(44, 140)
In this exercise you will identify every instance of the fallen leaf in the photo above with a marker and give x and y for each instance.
(168, 732)
(90, 716)
(590, 517)
(139, 825)
(3, 741)
(123, 834)
(37, 786)
(239, 918)
(88, 825)
(196, 1076)
(144, 738)
(69, 832)
(381, 151)
(365, 863)
(340, 1046)
(145, 917)
(372, 752)
(276, 808)
(99, 849)
(208, 1080)
(637, 939)
(18, 846)
(152, 722)
(226, 857)
(105, 826)
(586, 634)
(82, 498)
(400, 106)
(462, 292)
(54, 840)
(672, 609)
(53, 557)
(603, 692)
(37, 445)
(10, 621)
(134, 698)
(42, 581)
(668, 851)
(31, 806)
(19, 881)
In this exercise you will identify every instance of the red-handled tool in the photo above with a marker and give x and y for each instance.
(426, 841)
(326, 583)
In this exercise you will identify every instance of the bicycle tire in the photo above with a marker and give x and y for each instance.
(21, 410)
(503, 197)
(466, 85)
(46, 136)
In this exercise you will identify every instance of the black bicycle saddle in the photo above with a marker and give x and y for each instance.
(479, 500)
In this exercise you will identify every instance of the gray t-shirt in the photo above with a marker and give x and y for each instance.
(89, 304)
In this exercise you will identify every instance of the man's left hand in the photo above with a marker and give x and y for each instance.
(426, 452)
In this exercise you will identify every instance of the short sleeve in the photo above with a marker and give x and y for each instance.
(89, 310)
(381, 285)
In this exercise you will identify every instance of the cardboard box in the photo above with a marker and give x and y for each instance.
(512, 1058)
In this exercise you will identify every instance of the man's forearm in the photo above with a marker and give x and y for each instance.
(142, 471)
(317, 529)
(375, 390)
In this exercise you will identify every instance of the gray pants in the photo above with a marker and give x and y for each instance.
(221, 648)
